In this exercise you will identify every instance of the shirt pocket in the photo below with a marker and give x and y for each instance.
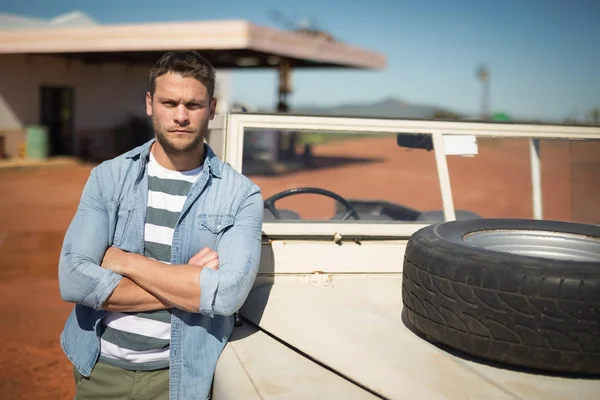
(124, 214)
(212, 227)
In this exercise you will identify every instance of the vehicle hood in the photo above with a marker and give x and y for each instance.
(353, 324)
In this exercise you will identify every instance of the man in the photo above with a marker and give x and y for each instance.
(163, 249)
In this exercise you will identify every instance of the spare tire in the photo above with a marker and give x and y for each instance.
(521, 292)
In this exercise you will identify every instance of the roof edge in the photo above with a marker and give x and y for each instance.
(232, 34)
(319, 50)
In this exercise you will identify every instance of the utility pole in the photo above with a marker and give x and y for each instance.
(286, 141)
(483, 74)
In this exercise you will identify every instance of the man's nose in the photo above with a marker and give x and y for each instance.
(182, 117)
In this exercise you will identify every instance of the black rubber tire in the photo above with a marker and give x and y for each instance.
(521, 310)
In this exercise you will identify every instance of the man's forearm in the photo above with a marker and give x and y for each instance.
(178, 285)
(130, 297)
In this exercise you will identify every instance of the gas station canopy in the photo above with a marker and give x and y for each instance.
(228, 44)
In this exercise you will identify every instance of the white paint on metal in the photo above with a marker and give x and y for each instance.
(441, 163)
(237, 123)
(357, 329)
(333, 291)
(234, 147)
(231, 381)
(382, 125)
(255, 366)
(347, 230)
(306, 257)
(536, 177)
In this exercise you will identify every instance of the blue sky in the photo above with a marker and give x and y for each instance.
(544, 54)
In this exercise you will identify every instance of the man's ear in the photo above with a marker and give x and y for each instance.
(148, 104)
(213, 107)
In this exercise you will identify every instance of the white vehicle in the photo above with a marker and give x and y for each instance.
(397, 304)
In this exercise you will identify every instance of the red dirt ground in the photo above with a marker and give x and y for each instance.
(36, 206)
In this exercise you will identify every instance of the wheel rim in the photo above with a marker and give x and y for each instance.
(545, 244)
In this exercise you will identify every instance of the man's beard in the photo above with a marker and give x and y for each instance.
(179, 145)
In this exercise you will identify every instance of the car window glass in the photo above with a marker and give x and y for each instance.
(347, 177)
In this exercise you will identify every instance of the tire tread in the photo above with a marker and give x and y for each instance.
(524, 325)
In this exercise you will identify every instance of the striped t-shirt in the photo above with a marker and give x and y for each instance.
(140, 341)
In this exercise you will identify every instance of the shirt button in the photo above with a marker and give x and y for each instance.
(218, 226)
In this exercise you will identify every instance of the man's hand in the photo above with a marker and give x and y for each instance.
(116, 260)
(206, 258)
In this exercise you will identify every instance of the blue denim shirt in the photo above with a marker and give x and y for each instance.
(223, 211)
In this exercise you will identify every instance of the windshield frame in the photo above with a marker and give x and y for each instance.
(227, 139)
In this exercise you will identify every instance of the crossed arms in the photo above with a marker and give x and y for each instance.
(151, 285)
(96, 275)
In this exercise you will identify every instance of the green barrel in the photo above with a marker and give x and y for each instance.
(37, 141)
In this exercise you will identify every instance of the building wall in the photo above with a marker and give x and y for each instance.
(10, 143)
(105, 95)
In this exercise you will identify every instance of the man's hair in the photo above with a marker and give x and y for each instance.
(186, 63)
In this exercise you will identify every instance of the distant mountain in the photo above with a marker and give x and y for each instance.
(387, 108)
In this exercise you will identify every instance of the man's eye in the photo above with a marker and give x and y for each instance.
(194, 106)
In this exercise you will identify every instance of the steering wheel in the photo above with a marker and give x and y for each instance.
(270, 202)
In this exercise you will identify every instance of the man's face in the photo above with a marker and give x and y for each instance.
(180, 109)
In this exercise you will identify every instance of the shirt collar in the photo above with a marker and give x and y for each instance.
(211, 161)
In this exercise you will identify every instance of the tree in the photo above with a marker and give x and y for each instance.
(445, 114)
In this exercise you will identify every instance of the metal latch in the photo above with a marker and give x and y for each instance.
(337, 238)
